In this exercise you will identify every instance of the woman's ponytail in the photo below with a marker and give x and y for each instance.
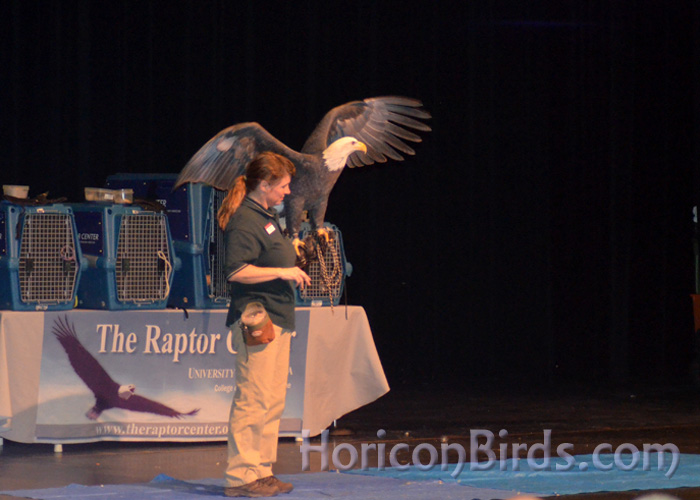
(233, 200)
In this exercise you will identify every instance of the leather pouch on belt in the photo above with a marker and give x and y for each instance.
(256, 325)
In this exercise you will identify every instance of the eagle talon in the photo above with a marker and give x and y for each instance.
(300, 250)
(298, 243)
(323, 235)
(299, 247)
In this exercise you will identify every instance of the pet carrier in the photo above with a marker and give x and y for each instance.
(200, 282)
(326, 266)
(40, 258)
(130, 255)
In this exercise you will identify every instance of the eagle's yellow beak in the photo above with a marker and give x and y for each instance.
(361, 146)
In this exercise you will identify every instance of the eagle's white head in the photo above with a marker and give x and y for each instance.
(126, 391)
(337, 153)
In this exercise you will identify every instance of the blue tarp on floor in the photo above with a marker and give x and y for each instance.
(416, 484)
(583, 476)
(320, 485)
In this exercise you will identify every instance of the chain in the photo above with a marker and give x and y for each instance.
(330, 281)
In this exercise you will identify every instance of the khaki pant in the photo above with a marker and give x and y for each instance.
(258, 403)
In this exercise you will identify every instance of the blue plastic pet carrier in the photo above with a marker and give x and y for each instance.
(327, 269)
(200, 282)
(130, 257)
(40, 258)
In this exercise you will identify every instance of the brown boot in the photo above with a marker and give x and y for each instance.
(259, 488)
(281, 486)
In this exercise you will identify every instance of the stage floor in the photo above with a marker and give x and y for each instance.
(583, 417)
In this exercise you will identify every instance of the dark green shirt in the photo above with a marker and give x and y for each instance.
(253, 237)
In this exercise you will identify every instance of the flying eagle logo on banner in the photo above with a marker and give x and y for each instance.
(108, 393)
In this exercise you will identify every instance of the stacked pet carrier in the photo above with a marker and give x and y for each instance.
(40, 257)
(130, 255)
(327, 267)
(200, 282)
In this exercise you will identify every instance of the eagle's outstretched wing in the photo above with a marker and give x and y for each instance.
(381, 123)
(85, 365)
(139, 403)
(225, 156)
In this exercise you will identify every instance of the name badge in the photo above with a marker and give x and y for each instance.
(270, 228)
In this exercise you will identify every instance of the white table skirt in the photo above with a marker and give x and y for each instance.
(335, 370)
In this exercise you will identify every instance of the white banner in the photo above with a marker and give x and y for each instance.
(146, 375)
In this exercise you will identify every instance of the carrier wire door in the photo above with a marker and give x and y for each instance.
(218, 287)
(40, 261)
(327, 270)
(143, 259)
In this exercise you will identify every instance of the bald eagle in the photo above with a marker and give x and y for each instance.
(108, 393)
(355, 134)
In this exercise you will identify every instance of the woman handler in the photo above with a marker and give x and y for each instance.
(260, 268)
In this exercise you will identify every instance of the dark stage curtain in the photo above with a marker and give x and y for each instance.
(543, 231)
